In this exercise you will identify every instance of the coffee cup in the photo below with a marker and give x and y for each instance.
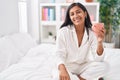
(97, 26)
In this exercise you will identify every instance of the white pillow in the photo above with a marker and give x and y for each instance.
(23, 41)
(8, 53)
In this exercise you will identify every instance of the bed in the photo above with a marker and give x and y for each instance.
(21, 58)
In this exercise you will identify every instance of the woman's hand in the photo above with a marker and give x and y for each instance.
(101, 35)
(99, 31)
(100, 38)
(63, 75)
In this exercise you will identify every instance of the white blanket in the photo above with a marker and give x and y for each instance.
(113, 58)
(38, 65)
(33, 66)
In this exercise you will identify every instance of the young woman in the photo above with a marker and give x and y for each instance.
(75, 42)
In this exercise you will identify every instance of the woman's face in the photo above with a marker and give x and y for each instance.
(77, 15)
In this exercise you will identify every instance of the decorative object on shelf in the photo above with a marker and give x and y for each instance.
(50, 35)
(69, 1)
(110, 15)
(89, 0)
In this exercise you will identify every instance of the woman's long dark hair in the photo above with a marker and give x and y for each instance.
(68, 21)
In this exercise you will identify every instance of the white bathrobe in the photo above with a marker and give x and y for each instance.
(78, 60)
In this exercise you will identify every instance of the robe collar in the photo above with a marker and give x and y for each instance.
(85, 36)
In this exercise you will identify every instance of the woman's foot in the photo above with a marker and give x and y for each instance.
(100, 79)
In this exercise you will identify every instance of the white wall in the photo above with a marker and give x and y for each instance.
(8, 17)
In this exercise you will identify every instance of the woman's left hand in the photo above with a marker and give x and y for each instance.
(100, 38)
(99, 30)
(100, 35)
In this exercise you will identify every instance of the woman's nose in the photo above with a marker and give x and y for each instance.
(75, 16)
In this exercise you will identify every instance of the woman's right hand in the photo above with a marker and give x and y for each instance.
(63, 75)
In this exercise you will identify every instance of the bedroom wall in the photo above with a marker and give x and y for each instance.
(8, 17)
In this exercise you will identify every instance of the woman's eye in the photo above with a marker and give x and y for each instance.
(71, 14)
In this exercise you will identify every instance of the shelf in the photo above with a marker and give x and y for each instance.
(47, 40)
(48, 22)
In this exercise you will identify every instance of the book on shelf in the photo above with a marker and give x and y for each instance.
(63, 12)
(45, 14)
(51, 14)
(48, 14)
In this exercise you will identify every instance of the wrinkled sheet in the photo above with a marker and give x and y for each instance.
(39, 63)
(36, 65)
(113, 58)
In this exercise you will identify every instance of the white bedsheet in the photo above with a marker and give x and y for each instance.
(33, 66)
(38, 64)
(113, 58)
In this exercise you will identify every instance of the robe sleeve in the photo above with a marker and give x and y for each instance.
(60, 48)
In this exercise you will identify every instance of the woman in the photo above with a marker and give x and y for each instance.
(75, 41)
